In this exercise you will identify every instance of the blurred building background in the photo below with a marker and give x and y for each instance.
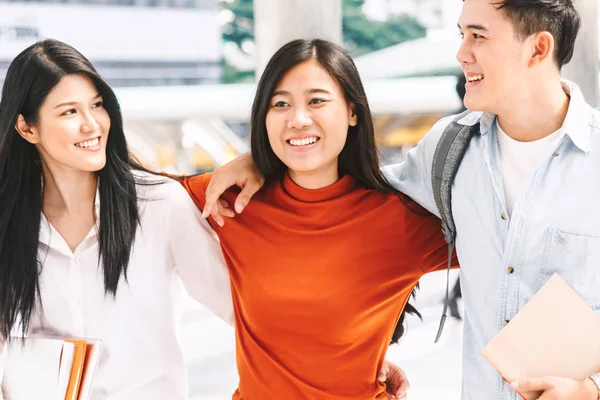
(184, 70)
(185, 73)
(131, 43)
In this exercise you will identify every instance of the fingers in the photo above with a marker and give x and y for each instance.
(400, 397)
(249, 189)
(403, 387)
(215, 189)
(396, 381)
(399, 386)
(221, 210)
(383, 373)
(240, 172)
(530, 385)
(216, 216)
(224, 208)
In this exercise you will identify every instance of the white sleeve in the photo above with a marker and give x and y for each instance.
(197, 255)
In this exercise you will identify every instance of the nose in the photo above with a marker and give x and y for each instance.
(300, 118)
(464, 55)
(89, 124)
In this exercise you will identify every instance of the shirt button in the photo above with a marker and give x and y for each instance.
(504, 216)
(510, 270)
(556, 154)
(506, 321)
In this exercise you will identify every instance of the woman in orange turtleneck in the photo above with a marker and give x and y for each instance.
(324, 258)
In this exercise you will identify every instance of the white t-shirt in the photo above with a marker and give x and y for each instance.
(519, 160)
(141, 357)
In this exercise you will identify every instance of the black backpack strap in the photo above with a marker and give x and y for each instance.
(446, 160)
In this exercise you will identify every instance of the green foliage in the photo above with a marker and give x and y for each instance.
(361, 34)
(242, 27)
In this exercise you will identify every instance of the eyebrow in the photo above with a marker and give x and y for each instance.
(72, 103)
(473, 26)
(309, 91)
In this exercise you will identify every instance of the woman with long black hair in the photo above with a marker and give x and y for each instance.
(324, 259)
(91, 244)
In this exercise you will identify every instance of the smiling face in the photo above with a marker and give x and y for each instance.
(307, 122)
(72, 127)
(493, 58)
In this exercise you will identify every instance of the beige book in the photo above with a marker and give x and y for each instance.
(555, 334)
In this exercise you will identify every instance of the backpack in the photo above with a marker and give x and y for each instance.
(448, 154)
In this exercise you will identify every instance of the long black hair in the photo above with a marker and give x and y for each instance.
(359, 157)
(31, 76)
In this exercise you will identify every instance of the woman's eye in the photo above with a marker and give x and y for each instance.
(280, 104)
(69, 112)
(317, 101)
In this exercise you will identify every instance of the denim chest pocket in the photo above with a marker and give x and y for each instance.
(576, 258)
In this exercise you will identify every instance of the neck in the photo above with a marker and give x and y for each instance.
(314, 179)
(536, 111)
(68, 192)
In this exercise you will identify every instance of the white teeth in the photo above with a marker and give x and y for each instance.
(475, 78)
(88, 143)
(303, 142)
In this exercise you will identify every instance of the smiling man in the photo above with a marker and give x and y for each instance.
(525, 197)
(526, 193)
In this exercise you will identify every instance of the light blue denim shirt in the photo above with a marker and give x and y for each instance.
(554, 227)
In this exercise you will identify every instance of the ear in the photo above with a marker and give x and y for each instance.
(27, 131)
(542, 46)
(352, 118)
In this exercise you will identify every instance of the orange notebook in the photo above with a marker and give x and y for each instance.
(92, 356)
(555, 334)
(77, 368)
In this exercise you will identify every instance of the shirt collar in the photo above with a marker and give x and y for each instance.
(577, 121)
(575, 125)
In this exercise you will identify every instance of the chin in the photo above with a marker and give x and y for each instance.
(303, 168)
(474, 104)
(94, 166)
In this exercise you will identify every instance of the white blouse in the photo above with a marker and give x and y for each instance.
(141, 357)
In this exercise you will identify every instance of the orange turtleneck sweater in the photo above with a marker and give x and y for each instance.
(319, 279)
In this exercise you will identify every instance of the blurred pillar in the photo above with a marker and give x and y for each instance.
(280, 21)
(583, 68)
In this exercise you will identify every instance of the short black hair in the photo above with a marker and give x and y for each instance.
(558, 17)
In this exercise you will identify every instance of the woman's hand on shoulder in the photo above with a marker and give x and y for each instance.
(239, 172)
